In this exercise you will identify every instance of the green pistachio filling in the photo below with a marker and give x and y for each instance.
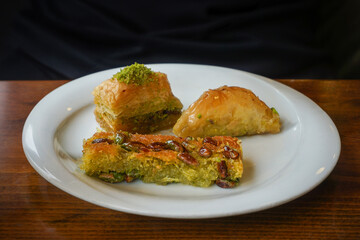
(274, 110)
(152, 120)
(136, 74)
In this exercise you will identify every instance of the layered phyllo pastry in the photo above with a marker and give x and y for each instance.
(137, 100)
(227, 111)
(162, 159)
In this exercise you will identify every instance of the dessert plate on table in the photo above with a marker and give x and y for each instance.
(277, 167)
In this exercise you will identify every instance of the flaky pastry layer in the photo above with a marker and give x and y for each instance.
(136, 108)
(163, 159)
(230, 111)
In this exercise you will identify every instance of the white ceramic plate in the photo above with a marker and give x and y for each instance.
(277, 168)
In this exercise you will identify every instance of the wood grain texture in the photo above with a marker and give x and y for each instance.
(31, 208)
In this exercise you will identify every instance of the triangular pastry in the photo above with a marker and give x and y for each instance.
(227, 111)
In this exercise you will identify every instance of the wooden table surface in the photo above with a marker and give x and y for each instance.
(32, 208)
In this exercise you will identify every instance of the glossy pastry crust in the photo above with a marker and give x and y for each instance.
(230, 111)
(163, 159)
(136, 108)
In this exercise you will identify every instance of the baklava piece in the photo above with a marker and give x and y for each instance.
(227, 111)
(136, 99)
(160, 159)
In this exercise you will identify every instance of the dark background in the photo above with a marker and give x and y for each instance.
(8, 13)
(327, 32)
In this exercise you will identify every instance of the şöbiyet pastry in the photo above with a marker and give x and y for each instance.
(228, 111)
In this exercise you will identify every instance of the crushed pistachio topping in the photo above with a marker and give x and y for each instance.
(135, 74)
(274, 110)
(199, 116)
